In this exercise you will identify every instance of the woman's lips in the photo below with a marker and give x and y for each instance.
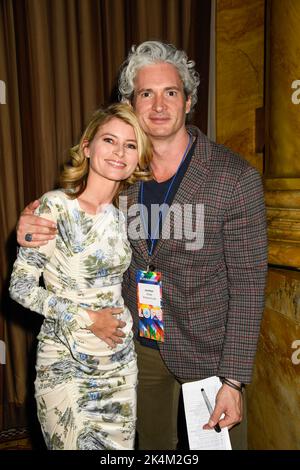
(116, 163)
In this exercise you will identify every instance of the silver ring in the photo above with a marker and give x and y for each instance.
(28, 237)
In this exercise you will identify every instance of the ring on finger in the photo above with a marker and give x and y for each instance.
(28, 237)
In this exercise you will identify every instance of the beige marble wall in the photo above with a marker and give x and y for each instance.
(239, 92)
(239, 74)
(274, 397)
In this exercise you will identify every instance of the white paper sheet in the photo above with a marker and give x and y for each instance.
(197, 414)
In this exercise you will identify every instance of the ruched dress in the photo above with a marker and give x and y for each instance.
(85, 391)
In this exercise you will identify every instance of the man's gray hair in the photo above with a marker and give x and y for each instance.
(152, 52)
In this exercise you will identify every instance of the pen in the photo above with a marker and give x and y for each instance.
(210, 410)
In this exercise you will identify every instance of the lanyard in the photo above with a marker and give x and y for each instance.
(150, 251)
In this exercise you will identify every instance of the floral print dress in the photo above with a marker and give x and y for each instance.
(85, 391)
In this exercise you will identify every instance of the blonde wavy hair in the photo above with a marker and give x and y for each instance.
(75, 173)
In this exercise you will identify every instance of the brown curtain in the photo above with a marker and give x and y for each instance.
(59, 60)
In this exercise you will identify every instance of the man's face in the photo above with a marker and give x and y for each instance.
(159, 101)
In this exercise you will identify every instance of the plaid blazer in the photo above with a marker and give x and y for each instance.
(213, 296)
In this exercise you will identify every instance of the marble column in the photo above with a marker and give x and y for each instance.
(283, 132)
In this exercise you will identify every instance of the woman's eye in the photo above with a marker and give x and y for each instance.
(108, 140)
(132, 146)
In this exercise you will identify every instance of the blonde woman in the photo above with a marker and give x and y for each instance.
(86, 363)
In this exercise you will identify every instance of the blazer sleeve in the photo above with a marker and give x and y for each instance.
(27, 270)
(245, 251)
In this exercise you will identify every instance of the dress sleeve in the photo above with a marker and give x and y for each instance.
(27, 270)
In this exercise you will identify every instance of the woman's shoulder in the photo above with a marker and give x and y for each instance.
(55, 199)
(55, 195)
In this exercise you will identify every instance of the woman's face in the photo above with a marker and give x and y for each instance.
(113, 152)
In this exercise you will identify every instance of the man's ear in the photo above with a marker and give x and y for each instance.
(188, 104)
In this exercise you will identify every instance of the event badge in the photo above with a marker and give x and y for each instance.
(149, 299)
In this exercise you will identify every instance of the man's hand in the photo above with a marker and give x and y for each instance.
(230, 403)
(106, 326)
(42, 230)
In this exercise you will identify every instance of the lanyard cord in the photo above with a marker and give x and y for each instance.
(150, 251)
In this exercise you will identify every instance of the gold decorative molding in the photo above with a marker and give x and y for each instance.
(283, 215)
(282, 184)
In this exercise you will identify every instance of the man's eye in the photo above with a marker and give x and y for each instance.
(145, 94)
(172, 93)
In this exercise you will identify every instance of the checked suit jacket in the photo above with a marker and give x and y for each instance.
(213, 296)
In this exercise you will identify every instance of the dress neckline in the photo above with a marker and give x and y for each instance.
(88, 214)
